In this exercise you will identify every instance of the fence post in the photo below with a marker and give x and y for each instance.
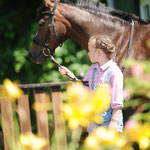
(7, 123)
(24, 113)
(60, 130)
(41, 116)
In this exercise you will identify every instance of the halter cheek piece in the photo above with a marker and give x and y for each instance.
(130, 41)
(46, 50)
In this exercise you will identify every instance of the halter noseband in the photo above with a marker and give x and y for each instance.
(46, 50)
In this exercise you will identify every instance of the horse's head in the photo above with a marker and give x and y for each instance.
(51, 32)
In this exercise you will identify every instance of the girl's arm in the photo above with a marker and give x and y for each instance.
(114, 118)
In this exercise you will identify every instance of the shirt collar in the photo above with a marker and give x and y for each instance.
(106, 65)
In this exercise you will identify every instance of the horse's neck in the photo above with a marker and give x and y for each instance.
(84, 24)
(140, 46)
(76, 29)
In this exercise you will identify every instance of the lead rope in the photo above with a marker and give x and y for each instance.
(86, 83)
(54, 60)
(130, 42)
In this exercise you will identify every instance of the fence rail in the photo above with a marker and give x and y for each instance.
(23, 110)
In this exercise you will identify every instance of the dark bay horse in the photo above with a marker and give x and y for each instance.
(81, 19)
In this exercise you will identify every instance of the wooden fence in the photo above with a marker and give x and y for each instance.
(41, 116)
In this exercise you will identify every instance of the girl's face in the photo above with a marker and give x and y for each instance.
(93, 52)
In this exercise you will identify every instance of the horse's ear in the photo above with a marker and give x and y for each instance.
(48, 1)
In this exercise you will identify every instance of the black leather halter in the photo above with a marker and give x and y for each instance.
(46, 50)
(130, 42)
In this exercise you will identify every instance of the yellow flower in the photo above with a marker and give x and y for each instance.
(41, 106)
(101, 98)
(31, 142)
(24, 140)
(84, 106)
(92, 143)
(139, 133)
(107, 138)
(11, 90)
(76, 92)
(68, 111)
(144, 142)
(73, 123)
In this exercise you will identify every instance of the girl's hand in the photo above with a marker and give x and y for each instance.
(114, 118)
(112, 125)
(64, 71)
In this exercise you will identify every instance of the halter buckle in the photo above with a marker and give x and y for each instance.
(46, 51)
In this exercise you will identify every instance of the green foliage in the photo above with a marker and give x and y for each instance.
(18, 25)
(138, 86)
(70, 55)
(139, 83)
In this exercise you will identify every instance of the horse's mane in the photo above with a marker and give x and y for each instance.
(97, 8)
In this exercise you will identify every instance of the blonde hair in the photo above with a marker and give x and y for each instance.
(103, 42)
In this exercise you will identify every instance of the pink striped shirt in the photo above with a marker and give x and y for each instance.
(115, 80)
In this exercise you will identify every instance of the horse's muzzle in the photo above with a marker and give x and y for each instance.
(36, 56)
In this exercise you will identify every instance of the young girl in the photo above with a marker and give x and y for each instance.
(104, 70)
